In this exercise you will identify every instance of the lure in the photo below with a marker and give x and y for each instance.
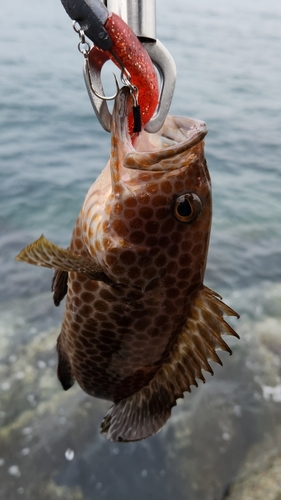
(131, 57)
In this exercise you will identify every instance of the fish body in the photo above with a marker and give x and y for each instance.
(139, 325)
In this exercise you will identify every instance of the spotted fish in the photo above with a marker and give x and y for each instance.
(139, 325)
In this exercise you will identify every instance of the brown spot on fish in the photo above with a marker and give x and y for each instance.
(184, 273)
(161, 213)
(130, 202)
(167, 226)
(128, 257)
(136, 223)
(86, 297)
(179, 186)
(134, 273)
(78, 243)
(158, 201)
(146, 212)
(129, 213)
(149, 273)
(144, 198)
(151, 227)
(137, 237)
(119, 227)
(76, 286)
(151, 241)
(160, 260)
(166, 187)
(173, 250)
(85, 310)
(177, 237)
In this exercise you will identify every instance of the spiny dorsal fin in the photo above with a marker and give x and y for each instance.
(145, 412)
(43, 252)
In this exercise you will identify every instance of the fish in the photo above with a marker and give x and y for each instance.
(139, 326)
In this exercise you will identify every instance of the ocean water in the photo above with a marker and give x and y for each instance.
(51, 149)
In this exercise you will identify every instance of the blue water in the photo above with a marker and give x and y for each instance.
(52, 148)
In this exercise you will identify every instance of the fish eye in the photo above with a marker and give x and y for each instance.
(187, 207)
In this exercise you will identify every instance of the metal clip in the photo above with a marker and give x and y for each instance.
(165, 64)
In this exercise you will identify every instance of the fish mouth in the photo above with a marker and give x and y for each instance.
(147, 151)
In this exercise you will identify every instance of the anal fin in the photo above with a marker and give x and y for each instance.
(146, 411)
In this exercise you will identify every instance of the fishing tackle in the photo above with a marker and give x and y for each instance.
(84, 48)
(113, 39)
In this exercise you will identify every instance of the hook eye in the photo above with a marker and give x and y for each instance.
(93, 91)
(187, 207)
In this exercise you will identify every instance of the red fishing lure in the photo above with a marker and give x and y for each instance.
(129, 50)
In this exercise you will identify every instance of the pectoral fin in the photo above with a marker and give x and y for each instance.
(43, 252)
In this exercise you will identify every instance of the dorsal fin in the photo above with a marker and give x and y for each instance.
(145, 412)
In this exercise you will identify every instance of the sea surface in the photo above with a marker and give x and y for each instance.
(51, 150)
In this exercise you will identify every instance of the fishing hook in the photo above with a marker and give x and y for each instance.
(100, 96)
(84, 48)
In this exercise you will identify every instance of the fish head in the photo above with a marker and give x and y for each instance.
(151, 207)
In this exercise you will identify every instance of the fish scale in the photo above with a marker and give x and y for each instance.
(139, 325)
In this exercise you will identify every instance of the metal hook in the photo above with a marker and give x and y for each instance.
(89, 79)
(84, 48)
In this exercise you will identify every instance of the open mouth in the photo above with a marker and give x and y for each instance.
(145, 151)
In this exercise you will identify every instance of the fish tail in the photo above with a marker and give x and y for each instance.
(146, 411)
(137, 417)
